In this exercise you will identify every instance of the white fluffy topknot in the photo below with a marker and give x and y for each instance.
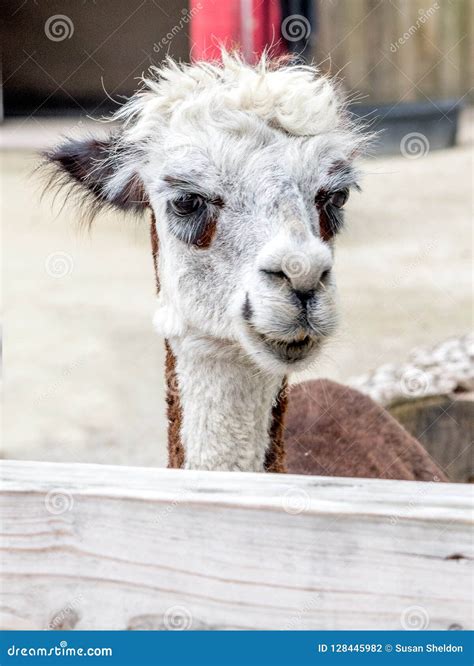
(293, 98)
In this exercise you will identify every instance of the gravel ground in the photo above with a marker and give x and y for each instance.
(83, 370)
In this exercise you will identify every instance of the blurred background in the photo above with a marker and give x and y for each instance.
(83, 369)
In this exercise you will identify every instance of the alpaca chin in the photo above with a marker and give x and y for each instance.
(280, 342)
(276, 358)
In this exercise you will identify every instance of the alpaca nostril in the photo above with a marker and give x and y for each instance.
(304, 296)
(325, 275)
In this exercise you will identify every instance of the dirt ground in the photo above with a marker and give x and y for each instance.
(83, 369)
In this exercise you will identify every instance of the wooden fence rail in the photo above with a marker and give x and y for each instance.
(100, 547)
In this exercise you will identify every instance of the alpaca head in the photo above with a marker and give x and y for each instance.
(247, 171)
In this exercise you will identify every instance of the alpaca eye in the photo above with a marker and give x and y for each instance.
(187, 204)
(339, 198)
(331, 215)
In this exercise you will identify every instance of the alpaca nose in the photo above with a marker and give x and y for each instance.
(301, 266)
(304, 296)
(303, 279)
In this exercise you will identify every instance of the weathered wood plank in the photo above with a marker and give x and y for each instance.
(444, 424)
(98, 547)
(432, 56)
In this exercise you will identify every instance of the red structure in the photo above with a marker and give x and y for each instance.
(249, 25)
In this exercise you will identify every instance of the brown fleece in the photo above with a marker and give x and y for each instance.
(154, 250)
(174, 411)
(275, 456)
(333, 430)
(206, 238)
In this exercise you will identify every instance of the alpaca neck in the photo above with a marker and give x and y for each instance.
(223, 413)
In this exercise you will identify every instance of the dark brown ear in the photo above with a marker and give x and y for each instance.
(102, 169)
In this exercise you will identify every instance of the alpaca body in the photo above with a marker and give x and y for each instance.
(246, 171)
(334, 430)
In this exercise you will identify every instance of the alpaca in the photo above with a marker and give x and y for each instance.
(246, 171)
(334, 430)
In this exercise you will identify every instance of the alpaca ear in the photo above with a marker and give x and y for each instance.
(102, 169)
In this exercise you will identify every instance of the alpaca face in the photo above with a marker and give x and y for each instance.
(246, 227)
(247, 171)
